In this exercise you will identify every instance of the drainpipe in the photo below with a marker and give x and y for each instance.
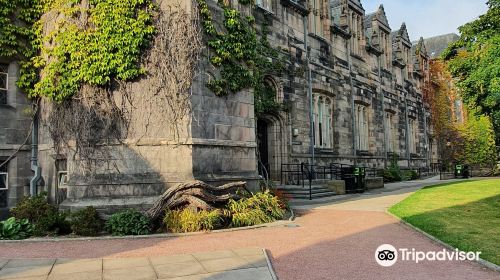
(34, 157)
(407, 130)
(351, 82)
(426, 138)
(382, 98)
(309, 94)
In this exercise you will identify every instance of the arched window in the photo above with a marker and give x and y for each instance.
(362, 128)
(4, 83)
(412, 136)
(316, 105)
(328, 123)
(322, 121)
(321, 127)
(391, 132)
(415, 137)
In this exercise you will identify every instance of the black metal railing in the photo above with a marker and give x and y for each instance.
(308, 171)
(298, 173)
(291, 173)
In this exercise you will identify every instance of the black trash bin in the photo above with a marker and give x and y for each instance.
(459, 171)
(360, 174)
(347, 174)
(466, 172)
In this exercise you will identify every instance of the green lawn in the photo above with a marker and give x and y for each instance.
(465, 215)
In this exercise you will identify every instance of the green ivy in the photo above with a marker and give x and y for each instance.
(108, 46)
(265, 99)
(244, 59)
(18, 36)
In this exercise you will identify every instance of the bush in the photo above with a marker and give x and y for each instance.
(392, 173)
(189, 220)
(259, 208)
(15, 229)
(283, 198)
(413, 175)
(45, 217)
(128, 222)
(86, 222)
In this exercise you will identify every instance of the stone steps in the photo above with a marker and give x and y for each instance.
(295, 192)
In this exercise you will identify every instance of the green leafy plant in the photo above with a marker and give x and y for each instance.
(128, 222)
(261, 207)
(86, 222)
(19, 36)
(13, 228)
(474, 63)
(190, 220)
(242, 57)
(392, 173)
(92, 43)
(44, 216)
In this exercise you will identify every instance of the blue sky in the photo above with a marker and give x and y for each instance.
(428, 18)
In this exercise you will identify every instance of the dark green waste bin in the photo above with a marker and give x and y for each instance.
(466, 172)
(347, 174)
(462, 171)
(354, 178)
(360, 174)
(458, 171)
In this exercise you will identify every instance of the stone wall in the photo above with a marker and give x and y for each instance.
(14, 128)
(350, 78)
(352, 63)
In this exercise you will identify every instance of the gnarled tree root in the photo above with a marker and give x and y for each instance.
(195, 194)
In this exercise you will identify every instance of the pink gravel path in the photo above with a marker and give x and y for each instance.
(329, 244)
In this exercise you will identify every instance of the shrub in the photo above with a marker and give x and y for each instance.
(86, 222)
(128, 222)
(189, 220)
(283, 198)
(259, 208)
(45, 217)
(13, 228)
(413, 175)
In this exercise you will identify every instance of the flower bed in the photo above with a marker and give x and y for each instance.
(35, 217)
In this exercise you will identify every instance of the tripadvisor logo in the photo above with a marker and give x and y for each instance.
(387, 255)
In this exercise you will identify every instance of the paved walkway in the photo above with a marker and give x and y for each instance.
(378, 199)
(242, 264)
(336, 241)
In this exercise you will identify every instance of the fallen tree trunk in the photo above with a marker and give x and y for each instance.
(196, 194)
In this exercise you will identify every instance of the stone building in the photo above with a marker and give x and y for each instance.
(364, 96)
(15, 127)
(366, 81)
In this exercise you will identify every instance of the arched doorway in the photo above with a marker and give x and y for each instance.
(263, 148)
(270, 130)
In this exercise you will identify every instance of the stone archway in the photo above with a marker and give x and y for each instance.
(271, 141)
(271, 135)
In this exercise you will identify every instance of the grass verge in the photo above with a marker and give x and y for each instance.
(465, 215)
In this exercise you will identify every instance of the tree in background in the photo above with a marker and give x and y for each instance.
(469, 140)
(474, 62)
(479, 141)
(437, 94)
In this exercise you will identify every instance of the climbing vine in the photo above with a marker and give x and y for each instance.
(89, 123)
(96, 40)
(242, 57)
(75, 42)
(470, 140)
(19, 36)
